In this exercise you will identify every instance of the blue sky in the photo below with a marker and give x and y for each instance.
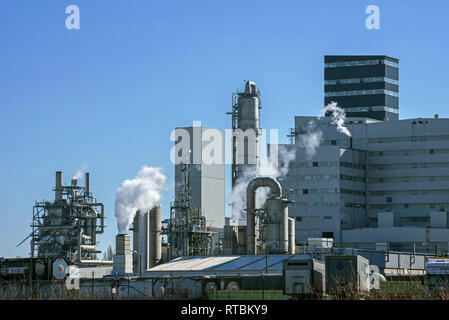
(108, 95)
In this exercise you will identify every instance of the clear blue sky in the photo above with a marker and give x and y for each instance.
(108, 95)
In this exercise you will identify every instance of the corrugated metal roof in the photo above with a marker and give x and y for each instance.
(225, 263)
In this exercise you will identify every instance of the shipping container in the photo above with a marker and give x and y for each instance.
(305, 276)
(347, 272)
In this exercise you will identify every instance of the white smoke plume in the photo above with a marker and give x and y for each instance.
(310, 141)
(338, 117)
(80, 172)
(141, 193)
(273, 168)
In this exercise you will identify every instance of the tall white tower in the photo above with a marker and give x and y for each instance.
(246, 132)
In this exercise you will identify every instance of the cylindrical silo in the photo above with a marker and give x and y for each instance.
(277, 226)
(291, 236)
(155, 235)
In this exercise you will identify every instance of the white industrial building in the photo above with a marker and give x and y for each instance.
(206, 181)
(386, 186)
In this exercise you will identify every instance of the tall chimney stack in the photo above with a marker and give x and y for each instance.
(87, 182)
(58, 186)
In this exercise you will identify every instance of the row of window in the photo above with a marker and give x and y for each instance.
(311, 233)
(368, 109)
(437, 206)
(361, 92)
(332, 191)
(312, 177)
(311, 219)
(361, 80)
(406, 152)
(355, 205)
(352, 165)
(352, 178)
(407, 179)
(316, 204)
(409, 138)
(360, 63)
(310, 164)
(353, 192)
(408, 165)
(407, 192)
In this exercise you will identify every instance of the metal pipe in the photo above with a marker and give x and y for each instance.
(291, 236)
(276, 191)
(96, 262)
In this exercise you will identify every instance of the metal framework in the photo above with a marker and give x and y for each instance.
(68, 227)
(235, 119)
(186, 229)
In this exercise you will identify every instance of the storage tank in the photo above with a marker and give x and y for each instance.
(346, 274)
(277, 226)
(147, 243)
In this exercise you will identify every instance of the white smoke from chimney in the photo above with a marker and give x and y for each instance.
(311, 140)
(138, 194)
(79, 174)
(274, 167)
(338, 117)
(308, 142)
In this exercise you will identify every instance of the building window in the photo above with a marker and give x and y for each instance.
(305, 191)
(298, 219)
(327, 218)
(315, 164)
(406, 205)
(389, 199)
(432, 178)
(405, 179)
(333, 142)
(431, 151)
(328, 235)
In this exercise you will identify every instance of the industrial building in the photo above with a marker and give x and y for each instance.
(364, 86)
(373, 199)
(386, 185)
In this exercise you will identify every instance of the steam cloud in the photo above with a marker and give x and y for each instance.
(141, 193)
(309, 142)
(270, 168)
(338, 117)
(80, 172)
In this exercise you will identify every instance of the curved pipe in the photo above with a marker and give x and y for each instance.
(276, 191)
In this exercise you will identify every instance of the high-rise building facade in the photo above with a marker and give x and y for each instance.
(364, 86)
(385, 186)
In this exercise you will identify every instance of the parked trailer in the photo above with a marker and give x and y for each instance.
(345, 272)
(304, 276)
